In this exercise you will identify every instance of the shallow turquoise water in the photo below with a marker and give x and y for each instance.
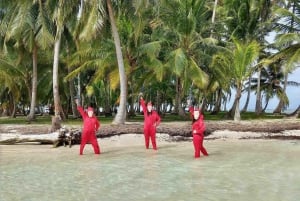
(235, 170)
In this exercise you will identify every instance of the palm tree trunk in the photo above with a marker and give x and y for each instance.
(258, 107)
(213, 17)
(177, 96)
(178, 104)
(12, 106)
(230, 113)
(266, 105)
(217, 106)
(237, 115)
(248, 96)
(58, 113)
(280, 105)
(121, 114)
(107, 101)
(72, 94)
(158, 101)
(31, 115)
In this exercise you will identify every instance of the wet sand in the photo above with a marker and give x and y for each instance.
(126, 141)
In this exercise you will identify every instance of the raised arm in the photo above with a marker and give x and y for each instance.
(142, 102)
(81, 111)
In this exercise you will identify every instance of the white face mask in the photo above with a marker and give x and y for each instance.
(196, 114)
(149, 108)
(90, 113)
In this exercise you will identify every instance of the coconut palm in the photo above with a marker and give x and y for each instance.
(237, 59)
(62, 12)
(248, 20)
(10, 90)
(272, 79)
(29, 26)
(287, 41)
(139, 51)
(96, 17)
(121, 114)
(183, 25)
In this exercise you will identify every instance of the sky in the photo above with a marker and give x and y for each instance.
(293, 94)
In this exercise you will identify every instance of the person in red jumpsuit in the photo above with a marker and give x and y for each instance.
(198, 128)
(151, 121)
(90, 126)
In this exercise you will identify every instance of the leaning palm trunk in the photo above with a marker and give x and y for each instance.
(266, 105)
(121, 114)
(237, 116)
(235, 109)
(296, 113)
(248, 96)
(31, 115)
(12, 106)
(281, 103)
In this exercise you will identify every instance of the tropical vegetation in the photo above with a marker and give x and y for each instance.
(171, 52)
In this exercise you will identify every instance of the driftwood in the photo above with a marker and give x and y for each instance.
(67, 137)
(61, 137)
(184, 128)
(295, 114)
(179, 130)
(49, 138)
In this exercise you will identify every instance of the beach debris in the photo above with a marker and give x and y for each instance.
(68, 137)
(62, 137)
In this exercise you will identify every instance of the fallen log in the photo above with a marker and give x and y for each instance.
(64, 136)
(61, 137)
(20, 138)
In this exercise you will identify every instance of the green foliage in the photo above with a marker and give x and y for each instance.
(46, 120)
(162, 42)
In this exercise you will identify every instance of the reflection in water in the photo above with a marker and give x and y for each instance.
(235, 170)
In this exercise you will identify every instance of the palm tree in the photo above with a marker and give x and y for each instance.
(238, 61)
(95, 17)
(62, 12)
(248, 20)
(288, 40)
(9, 87)
(121, 114)
(29, 26)
(185, 24)
(140, 54)
(271, 80)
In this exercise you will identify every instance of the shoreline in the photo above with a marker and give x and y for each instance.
(287, 129)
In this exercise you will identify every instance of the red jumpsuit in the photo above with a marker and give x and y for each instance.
(151, 120)
(198, 128)
(90, 126)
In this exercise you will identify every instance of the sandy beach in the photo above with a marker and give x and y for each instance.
(114, 138)
(125, 169)
(124, 141)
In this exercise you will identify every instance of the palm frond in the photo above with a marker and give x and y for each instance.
(177, 61)
(198, 76)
